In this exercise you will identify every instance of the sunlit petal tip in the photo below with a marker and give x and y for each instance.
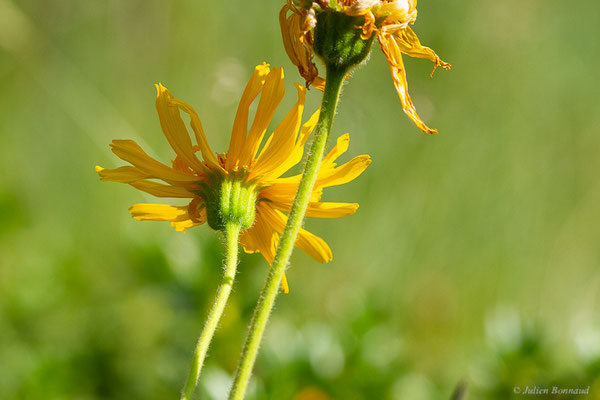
(163, 96)
(160, 89)
(162, 93)
(343, 142)
(301, 89)
(314, 246)
(249, 251)
(284, 285)
(262, 69)
(278, 71)
(363, 159)
(98, 169)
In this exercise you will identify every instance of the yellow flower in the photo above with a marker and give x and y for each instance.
(388, 19)
(258, 172)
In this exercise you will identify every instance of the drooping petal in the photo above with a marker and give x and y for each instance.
(297, 41)
(261, 237)
(288, 34)
(312, 245)
(272, 93)
(409, 44)
(240, 124)
(394, 57)
(282, 142)
(176, 133)
(130, 151)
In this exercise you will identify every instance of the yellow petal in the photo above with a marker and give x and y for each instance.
(122, 174)
(174, 128)
(298, 151)
(160, 190)
(330, 209)
(307, 129)
(314, 246)
(158, 212)
(394, 57)
(182, 226)
(340, 148)
(240, 124)
(296, 155)
(344, 173)
(272, 93)
(284, 284)
(409, 44)
(130, 151)
(284, 193)
(260, 237)
(196, 216)
(282, 142)
(179, 216)
(196, 125)
(318, 209)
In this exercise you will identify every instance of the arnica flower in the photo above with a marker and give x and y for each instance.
(388, 19)
(244, 185)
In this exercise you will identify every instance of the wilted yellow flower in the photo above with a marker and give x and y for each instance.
(244, 184)
(388, 19)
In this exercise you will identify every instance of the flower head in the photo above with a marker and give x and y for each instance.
(388, 19)
(243, 185)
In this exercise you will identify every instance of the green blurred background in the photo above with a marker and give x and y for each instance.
(474, 256)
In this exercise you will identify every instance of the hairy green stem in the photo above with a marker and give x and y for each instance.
(231, 232)
(335, 78)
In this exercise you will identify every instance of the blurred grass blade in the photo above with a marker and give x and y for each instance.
(460, 393)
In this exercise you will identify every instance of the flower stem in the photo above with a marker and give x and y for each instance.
(232, 232)
(335, 78)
